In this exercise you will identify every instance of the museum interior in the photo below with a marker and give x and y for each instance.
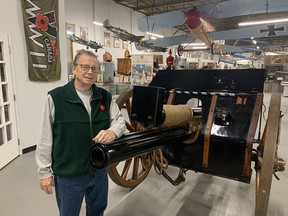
(202, 85)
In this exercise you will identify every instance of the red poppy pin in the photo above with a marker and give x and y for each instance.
(102, 107)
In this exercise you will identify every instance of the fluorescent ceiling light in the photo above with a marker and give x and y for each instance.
(242, 61)
(282, 53)
(193, 44)
(155, 35)
(263, 22)
(199, 47)
(98, 23)
(271, 53)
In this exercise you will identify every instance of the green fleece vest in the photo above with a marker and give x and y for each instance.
(73, 130)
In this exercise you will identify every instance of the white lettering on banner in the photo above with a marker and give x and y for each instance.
(39, 66)
(42, 66)
(37, 54)
(49, 51)
(36, 34)
(32, 9)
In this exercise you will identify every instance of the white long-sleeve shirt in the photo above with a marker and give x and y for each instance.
(43, 153)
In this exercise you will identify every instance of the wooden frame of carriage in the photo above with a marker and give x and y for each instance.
(222, 127)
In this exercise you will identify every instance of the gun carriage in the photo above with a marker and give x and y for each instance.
(208, 121)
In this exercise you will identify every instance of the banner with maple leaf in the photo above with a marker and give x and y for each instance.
(40, 19)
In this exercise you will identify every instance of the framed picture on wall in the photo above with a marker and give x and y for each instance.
(99, 78)
(70, 29)
(70, 77)
(84, 33)
(124, 45)
(116, 43)
(158, 58)
(107, 41)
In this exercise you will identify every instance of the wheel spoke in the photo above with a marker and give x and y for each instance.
(135, 172)
(126, 167)
(135, 168)
(129, 108)
(130, 127)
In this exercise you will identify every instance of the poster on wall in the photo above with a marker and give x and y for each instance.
(84, 33)
(124, 45)
(107, 39)
(141, 74)
(70, 30)
(142, 68)
(116, 43)
(40, 19)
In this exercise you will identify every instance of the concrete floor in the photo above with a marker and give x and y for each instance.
(199, 195)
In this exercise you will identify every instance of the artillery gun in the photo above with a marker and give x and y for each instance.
(207, 121)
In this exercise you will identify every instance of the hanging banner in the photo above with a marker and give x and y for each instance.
(41, 31)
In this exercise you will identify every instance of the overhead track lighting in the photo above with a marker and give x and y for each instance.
(193, 44)
(263, 22)
(155, 35)
(199, 48)
(98, 23)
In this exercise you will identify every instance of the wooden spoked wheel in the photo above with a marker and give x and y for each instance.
(133, 171)
(267, 156)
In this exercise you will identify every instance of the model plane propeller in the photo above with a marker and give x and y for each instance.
(139, 41)
(89, 44)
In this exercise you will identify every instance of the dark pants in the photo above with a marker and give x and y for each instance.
(70, 192)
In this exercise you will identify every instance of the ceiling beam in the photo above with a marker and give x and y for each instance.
(164, 4)
(119, 1)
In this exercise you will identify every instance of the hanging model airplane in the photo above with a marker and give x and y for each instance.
(121, 33)
(200, 29)
(89, 44)
(139, 41)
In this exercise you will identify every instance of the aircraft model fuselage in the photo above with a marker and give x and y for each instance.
(89, 44)
(141, 44)
(121, 33)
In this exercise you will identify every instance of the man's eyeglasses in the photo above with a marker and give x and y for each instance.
(86, 68)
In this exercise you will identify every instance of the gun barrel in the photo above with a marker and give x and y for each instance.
(134, 144)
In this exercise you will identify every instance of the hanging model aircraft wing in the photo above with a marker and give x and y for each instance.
(161, 44)
(270, 30)
(202, 30)
(139, 41)
(191, 18)
(146, 45)
(234, 8)
(219, 10)
(171, 41)
(121, 33)
(160, 21)
(89, 44)
(239, 49)
(256, 42)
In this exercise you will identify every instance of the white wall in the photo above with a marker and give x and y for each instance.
(29, 95)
